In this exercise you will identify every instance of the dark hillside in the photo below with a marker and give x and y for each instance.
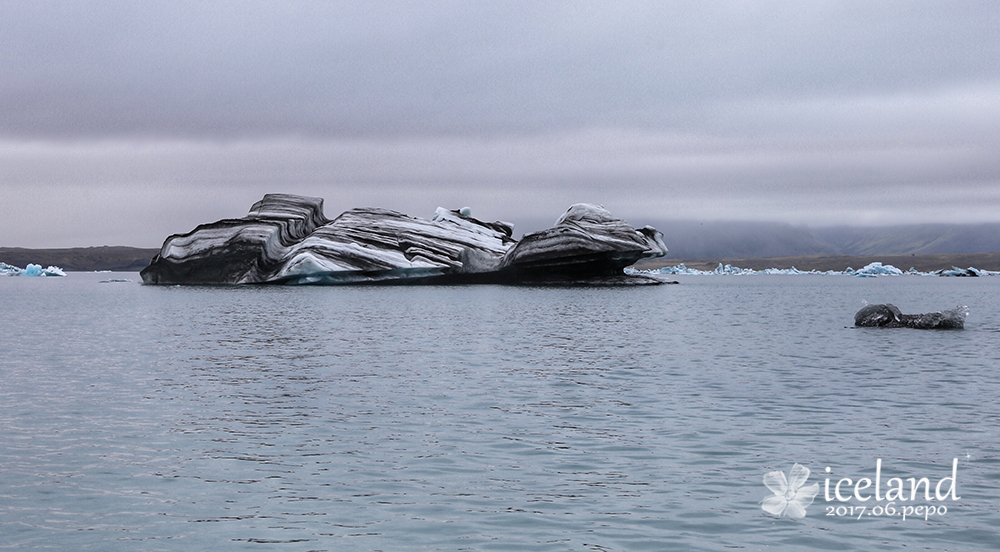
(923, 263)
(742, 240)
(83, 259)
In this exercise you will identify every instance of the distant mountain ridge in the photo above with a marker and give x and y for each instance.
(684, 239)
(921, 239)
(118, 258)
(707, 240)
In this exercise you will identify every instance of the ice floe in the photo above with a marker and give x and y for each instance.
(871, 270)
(30, 270)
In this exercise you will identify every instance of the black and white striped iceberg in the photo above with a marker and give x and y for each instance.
(286, 239)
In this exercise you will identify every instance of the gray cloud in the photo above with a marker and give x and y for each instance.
(135, 120)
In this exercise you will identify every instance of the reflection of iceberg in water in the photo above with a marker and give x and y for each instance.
(30, 270)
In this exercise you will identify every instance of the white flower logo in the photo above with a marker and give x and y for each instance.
(790, 497)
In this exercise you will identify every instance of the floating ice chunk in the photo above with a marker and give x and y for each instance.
(878, 269)
(31, 270)
(870, 270)
(733, 270)
(676, 269)
(730, 270)
(959, 272)
(888, 316)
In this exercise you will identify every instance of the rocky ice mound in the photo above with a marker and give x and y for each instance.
(586, 242)
(287, 239)
(888, 316)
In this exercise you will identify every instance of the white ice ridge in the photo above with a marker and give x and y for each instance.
(30, 270)
(870, 270)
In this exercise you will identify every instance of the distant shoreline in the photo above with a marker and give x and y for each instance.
(81, 259)
(923, 263)
(134, 259)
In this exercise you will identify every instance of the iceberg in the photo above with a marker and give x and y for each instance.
(31, 270)
(730, 270)
(286, 239)
(888, 316)
(965, 272)
(871, 270)
(53, 271)
(876, 269)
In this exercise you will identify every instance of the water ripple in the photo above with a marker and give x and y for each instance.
(486, 418)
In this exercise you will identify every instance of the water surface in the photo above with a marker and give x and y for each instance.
(486, 418)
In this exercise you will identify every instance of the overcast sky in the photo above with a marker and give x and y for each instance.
(123, 122)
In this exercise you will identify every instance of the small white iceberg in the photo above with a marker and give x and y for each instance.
(30, 270)
(871, 270)
(874, 269)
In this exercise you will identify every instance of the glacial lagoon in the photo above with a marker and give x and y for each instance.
(491, 417)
